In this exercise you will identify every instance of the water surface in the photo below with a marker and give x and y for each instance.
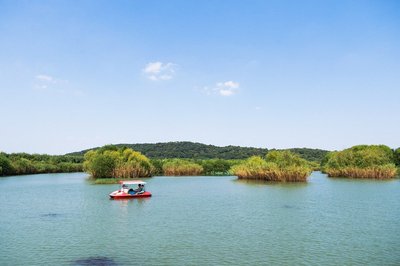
(62, 219)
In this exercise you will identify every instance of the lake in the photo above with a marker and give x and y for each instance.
(63, 219)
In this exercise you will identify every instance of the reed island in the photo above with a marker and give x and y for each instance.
(362, 161)
(277, 166)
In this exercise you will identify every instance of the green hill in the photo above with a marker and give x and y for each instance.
(193, 150)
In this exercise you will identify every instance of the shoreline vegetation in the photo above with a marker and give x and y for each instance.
(112, 163)
(24, 164)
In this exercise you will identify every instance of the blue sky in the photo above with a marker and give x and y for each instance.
(274, 74)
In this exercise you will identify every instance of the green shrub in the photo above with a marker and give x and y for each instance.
(281, 166)
(396, 156)
(117, 163)
(216, 166)
(5, 165)
(362, 161)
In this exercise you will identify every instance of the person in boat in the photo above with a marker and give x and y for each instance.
(139, 189)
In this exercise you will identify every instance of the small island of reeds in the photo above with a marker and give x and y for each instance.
(111, 162)
(277, 166)
(362, 161)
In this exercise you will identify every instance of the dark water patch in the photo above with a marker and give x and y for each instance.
(51, 215)
(95, 261)
(293, 207)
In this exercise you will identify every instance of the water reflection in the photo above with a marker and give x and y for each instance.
(126, 207)
(269, 183)
(140, 201)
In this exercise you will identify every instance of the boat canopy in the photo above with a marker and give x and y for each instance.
(134, 182)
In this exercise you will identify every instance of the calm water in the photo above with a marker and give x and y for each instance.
(61, 219)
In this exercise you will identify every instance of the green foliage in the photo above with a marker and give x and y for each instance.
(179, 167)
(100, 165)
(285, 159)
(313, 155)
(107, 181)
(5, 165)
(396, 157)
(157, 166)
(23, 163)
(283, 166)
(362, 161)
(188, 166)
(191, 150)
(117, 163)
(216, 166)
(361, 156)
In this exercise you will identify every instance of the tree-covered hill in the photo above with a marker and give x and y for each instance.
(315, 155)
(193, 150)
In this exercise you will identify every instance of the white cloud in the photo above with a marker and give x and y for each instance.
(159, 71)
(226, 92)
(47, 83)
(227, 88)
(229, 84)
(153, 68)
(45, 78)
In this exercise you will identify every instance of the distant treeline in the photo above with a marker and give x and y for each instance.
(23, 163)
(120, 161)
(192, 150)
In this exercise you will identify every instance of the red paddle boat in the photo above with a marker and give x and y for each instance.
(126, 191)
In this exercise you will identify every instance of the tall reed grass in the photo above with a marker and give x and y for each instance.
(120, 163)
(278, 166)
(362, 161)
(178, 167)
(376, 172)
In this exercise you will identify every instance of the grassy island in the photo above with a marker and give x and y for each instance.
(362, 161)
(111, 162)
(278, 166)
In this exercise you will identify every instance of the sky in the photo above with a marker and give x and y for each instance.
(272, 74)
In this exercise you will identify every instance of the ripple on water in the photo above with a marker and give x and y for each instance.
(293, 207)
(51, 215)
(95, 261)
